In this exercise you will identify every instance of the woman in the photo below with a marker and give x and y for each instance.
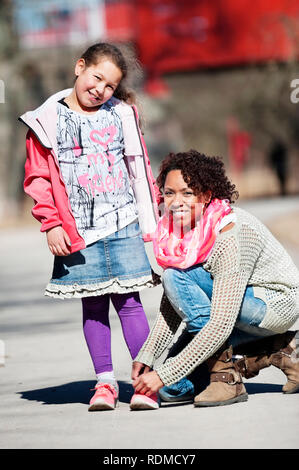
(227, 278)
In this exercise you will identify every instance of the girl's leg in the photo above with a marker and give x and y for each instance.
(135, 330)
(97, 333)
(96, 328)
(133, 320)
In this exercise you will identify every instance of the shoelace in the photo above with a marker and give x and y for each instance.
(106, 387)
(183, 386)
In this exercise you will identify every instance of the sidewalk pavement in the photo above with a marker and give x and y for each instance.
(47, 375)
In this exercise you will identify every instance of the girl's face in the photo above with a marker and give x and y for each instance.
(182, 204)
(95, 84)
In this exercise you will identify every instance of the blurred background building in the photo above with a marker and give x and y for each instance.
(215, 76)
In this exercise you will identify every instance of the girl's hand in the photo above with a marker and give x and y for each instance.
(58, 241)
(148, 383)
(138, 368)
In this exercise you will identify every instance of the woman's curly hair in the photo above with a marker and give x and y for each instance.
(200, 172)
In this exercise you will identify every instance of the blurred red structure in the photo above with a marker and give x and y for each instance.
(169, 35)
(180, 35)
(183, 34)
(239, 142)
(119, 20)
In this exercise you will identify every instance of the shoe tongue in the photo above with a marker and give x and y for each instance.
(109, 384)
(111, 388)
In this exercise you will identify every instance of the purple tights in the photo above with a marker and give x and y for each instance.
(96, 326)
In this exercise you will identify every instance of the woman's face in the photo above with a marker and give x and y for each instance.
(182, 204)
(96, 84)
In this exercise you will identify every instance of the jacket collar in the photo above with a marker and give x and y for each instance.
(42, 120)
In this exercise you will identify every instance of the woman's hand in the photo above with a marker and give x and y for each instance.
(58, 241)
(138, 368)
(148, 383)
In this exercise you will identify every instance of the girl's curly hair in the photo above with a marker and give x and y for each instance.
(200, 172)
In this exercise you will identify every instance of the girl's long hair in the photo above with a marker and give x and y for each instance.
(101, 50)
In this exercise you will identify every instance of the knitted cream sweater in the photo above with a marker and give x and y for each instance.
(248, 254)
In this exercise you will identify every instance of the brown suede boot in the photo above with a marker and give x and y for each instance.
(281, 351)
(226, 385)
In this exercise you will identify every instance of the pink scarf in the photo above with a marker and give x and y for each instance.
(196, 244)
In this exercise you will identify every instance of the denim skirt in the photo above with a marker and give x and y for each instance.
(117, 263)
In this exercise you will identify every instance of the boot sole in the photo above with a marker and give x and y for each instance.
(170, 399)
(240, 398)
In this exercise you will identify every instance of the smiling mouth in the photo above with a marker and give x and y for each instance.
(180, 213)
(93, 97)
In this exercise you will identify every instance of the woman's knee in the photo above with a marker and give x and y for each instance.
(169, 279)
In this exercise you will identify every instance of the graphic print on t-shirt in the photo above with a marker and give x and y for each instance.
(90, 154)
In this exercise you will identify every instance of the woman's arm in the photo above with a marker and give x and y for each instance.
(163, 331)
(223, 317)
(231, 265)
(227, 297)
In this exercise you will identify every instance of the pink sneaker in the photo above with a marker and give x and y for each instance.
(143, 402)
(105, 398)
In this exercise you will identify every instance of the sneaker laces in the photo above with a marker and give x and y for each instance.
(104, 387)
(182, 385)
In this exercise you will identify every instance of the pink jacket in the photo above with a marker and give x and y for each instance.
(43, 181)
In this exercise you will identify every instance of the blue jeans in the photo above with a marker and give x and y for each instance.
(190, 292)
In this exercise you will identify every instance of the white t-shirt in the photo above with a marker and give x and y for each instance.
(90, 155)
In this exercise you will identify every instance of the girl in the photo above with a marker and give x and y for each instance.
(88, 172)
(228, 279)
